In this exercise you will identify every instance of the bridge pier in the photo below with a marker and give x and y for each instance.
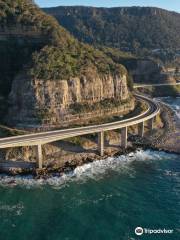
(141, 129)
(101, 143)
(151, 124)
(39, 156)
(124, 137)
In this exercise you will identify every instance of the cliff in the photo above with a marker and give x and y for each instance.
(52, 78)
(37, 103)
(142, 70)
(149, 71)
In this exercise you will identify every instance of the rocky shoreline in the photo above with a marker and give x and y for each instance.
(164, 139)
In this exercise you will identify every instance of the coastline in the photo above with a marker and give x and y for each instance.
(164, 139)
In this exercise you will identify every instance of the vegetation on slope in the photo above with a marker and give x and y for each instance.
(24, 29)
(24, 16)
(63, 63)
(34, 43)
(136, 29)
(32, 39)
(161, 91)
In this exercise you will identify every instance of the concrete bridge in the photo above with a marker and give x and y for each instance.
(39, 139)
(156, 85)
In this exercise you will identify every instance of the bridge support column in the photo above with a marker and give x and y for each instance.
(141, 129)
(151, 124)
(157, 117)
(39, 156)
(124, 137)
(101, 143)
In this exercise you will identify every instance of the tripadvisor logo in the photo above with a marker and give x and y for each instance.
(139, 231)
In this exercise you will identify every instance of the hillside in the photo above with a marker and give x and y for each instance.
(24, 28)
(140, 30)
(44, 70)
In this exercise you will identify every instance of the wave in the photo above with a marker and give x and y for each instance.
(95, 170)
(14, 209)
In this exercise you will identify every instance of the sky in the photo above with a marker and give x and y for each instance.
(173, 5)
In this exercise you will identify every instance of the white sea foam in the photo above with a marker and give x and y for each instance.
(13, 209)
(95, 170)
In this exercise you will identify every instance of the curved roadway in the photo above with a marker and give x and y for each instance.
(52, 136)
(155, 85)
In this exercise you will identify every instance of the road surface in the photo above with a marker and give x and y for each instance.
(155, 85)
(52, 136)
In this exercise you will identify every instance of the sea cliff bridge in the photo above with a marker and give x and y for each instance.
(39, 139)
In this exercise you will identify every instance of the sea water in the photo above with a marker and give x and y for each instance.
(103, 200)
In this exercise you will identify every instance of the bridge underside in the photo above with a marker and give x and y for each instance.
(37, 140)
(101, 141)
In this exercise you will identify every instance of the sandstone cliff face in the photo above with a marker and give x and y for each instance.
(147, 71)
(37, 102)
(46, 92)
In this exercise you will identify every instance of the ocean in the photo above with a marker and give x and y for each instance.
(103, 200)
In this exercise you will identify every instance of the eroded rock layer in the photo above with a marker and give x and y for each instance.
(36, 102)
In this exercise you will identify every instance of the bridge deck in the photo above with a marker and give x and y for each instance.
(51, 136)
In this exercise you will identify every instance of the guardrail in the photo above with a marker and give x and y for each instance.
(47, 137)
(156, 85)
